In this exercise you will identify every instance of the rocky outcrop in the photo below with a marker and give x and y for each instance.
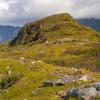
(35, 31)
(26, 36)
(89, 92)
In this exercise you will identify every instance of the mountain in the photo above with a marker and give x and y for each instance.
(54, 58)
(8, 32)
(52, 28)
(93, 23)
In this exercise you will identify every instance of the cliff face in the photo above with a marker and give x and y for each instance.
(29, 34)
(52, 28)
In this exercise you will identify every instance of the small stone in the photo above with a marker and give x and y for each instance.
(59, 82)
(33, 92)
(62, 93)
(84, 78)
(49, 83)
(22, 59)
(40, 61)
(33, 62)
(7, 67)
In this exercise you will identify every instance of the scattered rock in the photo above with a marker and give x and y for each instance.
(49, 83)
(83, 92)
(97, 86)
(73, 92)
(74, 69)
(67, 79)
(33, 92)
(7, 67)
(87, 93)
(33, 62)
(22, 59)
(66, 40)
(62, 93)
(84, 78)
(59, 82)
(39, 61)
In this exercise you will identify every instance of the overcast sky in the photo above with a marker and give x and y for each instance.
(18, 12)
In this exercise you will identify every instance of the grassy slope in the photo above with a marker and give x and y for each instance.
(67, 55)
(54, 57)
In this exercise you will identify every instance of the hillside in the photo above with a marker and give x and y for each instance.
(93, 23)
(49, 60)
(8, 33)
(52, 28)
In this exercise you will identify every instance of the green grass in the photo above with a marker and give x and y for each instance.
(59, 58)
(53, 57)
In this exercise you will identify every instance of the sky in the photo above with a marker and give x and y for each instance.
(19, 12)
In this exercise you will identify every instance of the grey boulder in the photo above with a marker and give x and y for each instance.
(97, 86)
(49, 83)
(87, 93)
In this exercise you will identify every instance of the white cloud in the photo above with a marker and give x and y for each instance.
(4, 6)
(20, 11)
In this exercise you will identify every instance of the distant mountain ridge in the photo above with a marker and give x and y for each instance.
(93, 23)
(8, 32)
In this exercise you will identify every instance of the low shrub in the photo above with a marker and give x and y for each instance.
(8, 81)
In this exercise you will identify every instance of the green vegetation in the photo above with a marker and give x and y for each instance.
(8, 81)
(54, 27)
(45, 61)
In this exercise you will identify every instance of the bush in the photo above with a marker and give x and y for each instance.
(7, 82)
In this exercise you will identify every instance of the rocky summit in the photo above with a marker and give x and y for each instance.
(52, 28)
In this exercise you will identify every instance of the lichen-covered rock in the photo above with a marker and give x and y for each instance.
(62, 93)
(59, 82)
(73, 92)
(87, 93)
(97, 86)
(49, 83)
